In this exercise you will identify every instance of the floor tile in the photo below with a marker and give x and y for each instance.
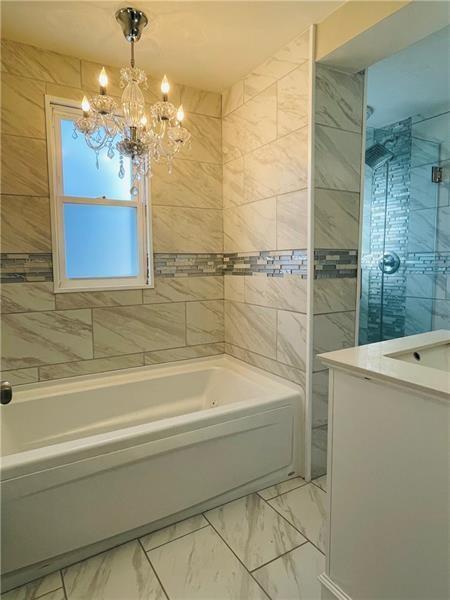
(281, 488)
(118, 574)
(253, 530)
(321, 482)
(172, 532)
(305, 508)
(56, 595)
(200, 566)
(35, 589)
(294, 575)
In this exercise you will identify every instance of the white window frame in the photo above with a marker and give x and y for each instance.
(57, 108)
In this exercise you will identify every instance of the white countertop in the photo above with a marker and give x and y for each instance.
(373, 361)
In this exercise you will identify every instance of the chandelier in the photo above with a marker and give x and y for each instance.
(143, 138)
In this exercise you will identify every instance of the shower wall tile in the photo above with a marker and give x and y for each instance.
(126, 330)
(332, 332)
(443, 229)
(421, 285)
(39, 338)
(177, 229)
(191, 184)
(183, 289)
(418, 315)
(277, 168)
(206, 138)
(422, 230)
(251, 125)
(291, 339)
(233, 183)
(288, 292)
(334, 295)
(235, 288)
(267, 364)
(339, 99)
(320, 398)
(293, 100)
(338, 159)
(42, 65)
(441, 314)
(22, 106)
(251, 327)
(250, 226)
(27, 297)
(88, 367)
(336, 219)
(285, 60)
(25, 224)
(204, 322)
(292, 220)
(21, 376)
(423, 192)
(233, 97)
(98, 299)
(185, 353)
(24, 166)
(201, 102)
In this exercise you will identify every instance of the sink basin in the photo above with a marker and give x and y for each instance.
(436, 357)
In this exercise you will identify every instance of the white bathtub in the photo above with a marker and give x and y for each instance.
(90, 458)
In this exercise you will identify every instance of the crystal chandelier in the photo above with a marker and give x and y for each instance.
(127, 128)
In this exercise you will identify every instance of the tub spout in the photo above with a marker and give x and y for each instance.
(5, 392)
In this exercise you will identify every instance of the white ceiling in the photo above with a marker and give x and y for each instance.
(415, 81)
(203, 44)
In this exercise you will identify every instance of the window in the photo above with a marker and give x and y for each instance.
(101, 234)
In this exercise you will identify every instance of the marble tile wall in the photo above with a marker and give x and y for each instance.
(265, 178)
(48, 336)
(338, 153)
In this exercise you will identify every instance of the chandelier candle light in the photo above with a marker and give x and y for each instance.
(127, 128)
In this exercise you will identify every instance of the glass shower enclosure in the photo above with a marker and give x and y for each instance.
(405, 260)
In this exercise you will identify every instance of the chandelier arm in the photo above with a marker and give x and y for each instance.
(132, 63)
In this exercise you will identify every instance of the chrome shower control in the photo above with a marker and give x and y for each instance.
(389, 263)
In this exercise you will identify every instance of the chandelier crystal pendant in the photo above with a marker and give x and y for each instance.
(127, 128)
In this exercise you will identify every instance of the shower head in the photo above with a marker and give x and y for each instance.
(377, 155)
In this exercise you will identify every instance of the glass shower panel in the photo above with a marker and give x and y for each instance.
(405, 254)
(422, 227)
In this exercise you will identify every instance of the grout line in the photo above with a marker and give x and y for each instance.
(63, 584)
(280, 556)
(237, 557)
(294, 526)
(174, 539)
(153, 569)
(316, 484)
(291, 490)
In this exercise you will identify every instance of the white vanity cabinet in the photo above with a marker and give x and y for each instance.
(388, 471)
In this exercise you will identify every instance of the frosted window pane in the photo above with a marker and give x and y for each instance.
(81, 178)
(100, 241)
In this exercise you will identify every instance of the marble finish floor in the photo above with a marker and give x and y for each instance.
(265, 546)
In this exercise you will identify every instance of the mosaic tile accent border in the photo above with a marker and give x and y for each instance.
(17, 268)
(415, 262)
(187, 265)
(275, 263)
(333, 264)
